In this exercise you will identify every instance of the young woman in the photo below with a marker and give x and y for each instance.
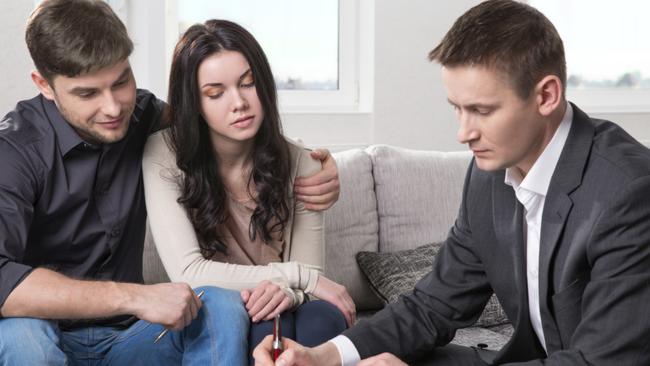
(219, 189)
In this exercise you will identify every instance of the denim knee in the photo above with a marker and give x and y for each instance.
(29, 341)
(227, 303)
(224, 324)
(224, 300)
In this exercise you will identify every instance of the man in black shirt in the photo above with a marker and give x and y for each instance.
(72, 212)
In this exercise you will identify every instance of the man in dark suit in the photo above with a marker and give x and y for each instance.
(555, 218)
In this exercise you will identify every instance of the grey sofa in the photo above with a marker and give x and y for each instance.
(392, 199)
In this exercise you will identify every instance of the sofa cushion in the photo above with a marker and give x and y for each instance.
(351, 227)
(481, 337)
(392, 274)
(395, 273)
(418, 194)
(153, 270)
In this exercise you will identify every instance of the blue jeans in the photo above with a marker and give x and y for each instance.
(311, 324)
(216, 337)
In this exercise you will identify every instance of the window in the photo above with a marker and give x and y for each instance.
(315, 47)
(299, 37)
(608, 55)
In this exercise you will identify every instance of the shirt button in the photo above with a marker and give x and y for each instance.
(115, 233)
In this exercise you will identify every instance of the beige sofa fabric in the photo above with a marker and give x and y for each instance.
(351, 227)
(418, 194)
(153, 270)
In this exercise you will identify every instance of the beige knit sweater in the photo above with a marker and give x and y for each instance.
(178, 246)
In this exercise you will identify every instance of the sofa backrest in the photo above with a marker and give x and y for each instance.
(351, 226)
(391, 199)
(418, 194)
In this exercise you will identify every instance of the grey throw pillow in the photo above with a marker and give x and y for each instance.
(395, 273)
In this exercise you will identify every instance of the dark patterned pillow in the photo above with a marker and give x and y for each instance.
(392, 274)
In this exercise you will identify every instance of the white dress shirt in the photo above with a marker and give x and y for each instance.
(531, 193)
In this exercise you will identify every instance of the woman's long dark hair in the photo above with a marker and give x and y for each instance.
(202, 190)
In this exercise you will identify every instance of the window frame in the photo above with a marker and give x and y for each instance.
(153, 32)
(611, 100)
(607, 100)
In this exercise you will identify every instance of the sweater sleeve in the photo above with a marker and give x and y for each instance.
(176, 240)
(306, 241)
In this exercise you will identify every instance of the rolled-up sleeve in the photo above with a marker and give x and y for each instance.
(17, 194)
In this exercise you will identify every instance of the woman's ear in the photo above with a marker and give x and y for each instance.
(549, 93)
(42, 85)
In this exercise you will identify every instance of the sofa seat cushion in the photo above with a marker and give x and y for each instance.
(480, 337)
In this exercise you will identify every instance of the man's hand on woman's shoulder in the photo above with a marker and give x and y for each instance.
(321, 190)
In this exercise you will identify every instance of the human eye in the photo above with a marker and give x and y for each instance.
(481, 111)
(121, 83)
(86, 94)
(248, 81)
(213, 93)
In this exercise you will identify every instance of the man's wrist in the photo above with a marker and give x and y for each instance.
(327, 355)
(348, 355)
(126, 298)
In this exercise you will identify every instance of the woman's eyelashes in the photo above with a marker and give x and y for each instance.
(216, 93)
(248, 81)
(213, 93)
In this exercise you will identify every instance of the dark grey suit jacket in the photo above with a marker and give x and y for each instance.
(594, 262)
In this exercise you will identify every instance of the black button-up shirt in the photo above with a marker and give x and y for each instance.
(67, 205)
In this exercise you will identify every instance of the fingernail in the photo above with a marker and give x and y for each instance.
(281, 363)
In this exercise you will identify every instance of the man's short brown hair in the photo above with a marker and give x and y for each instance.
(73, 37)
(514, 38)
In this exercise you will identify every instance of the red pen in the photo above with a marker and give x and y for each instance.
(277, 348)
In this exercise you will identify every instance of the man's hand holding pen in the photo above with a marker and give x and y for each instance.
(173, 305)
(164, 332)
(295, 354)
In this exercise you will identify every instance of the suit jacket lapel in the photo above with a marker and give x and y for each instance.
(566, 178)
(508, 227)
(556, 211)
(508, 216)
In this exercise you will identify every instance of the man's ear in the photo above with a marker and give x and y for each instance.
(42, 85)
(549, 93)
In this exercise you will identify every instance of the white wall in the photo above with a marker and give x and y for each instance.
(15, 64)
(409, 109)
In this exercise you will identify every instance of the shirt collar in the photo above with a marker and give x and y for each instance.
(66, 137)
(539, 177)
